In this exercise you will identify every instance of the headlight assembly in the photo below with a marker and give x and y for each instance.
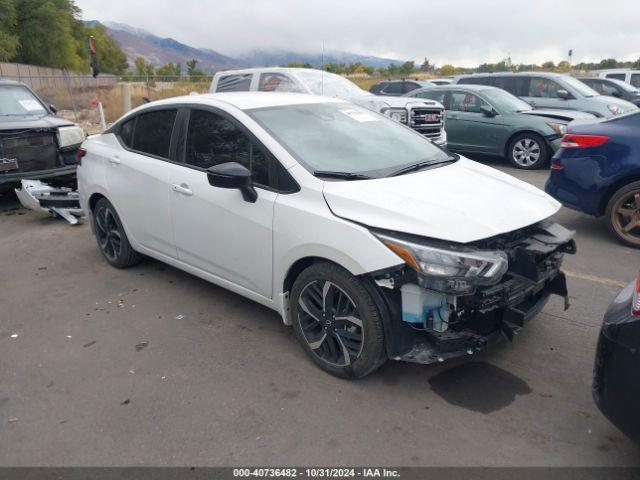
(397, 114)
(615, 109)
(559, 128)
(69, 136)
(455, 270)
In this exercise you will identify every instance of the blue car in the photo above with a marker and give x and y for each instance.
(597, 171)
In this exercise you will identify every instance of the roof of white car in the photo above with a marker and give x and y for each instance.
(249, 100)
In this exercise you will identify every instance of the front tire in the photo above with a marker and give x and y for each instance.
(337, 321)
(623, 214)
(527, 151)
(111, 237)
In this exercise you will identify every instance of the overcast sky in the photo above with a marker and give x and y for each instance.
(461, 32)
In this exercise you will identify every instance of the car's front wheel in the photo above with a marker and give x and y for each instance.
(527, 151)
(337, 321)
(111, 237)
(623, 214)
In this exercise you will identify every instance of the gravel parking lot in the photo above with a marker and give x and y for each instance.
(152, 366)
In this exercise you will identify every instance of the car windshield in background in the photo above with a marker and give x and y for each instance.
(504, 100)
(16, 100)
(624, 85)
(583, 89)
(329, 84)
(344, 138)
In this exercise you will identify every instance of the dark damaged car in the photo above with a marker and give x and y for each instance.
(34, 142)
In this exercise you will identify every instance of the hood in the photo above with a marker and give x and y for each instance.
(460, 202)
(377, 103)
(557, 114)
(27, 122)
(607, 100)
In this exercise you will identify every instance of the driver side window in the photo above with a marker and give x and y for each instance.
(543, 88)
(466, 102)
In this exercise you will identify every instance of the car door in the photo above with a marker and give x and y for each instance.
(470, 127)
(543, 92)
(137, 178)
(215, 229)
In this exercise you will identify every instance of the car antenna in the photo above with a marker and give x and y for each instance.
(322, 70)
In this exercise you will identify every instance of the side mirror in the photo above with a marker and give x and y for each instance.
(488, 111)
(53, 109)
(233, 175)
(563, 94)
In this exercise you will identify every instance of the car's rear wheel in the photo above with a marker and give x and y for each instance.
(623, 214)
(337, 321)
(528, 151)
(111, 237)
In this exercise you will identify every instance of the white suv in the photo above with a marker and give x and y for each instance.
(367, 238)
(423, 115)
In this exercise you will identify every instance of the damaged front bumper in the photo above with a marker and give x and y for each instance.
(464, 325)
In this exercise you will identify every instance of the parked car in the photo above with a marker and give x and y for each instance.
(616, 375)
(597, 171)
(441, 81)
(369, 240)
(488, 120)
(34, 142)
(631, 77)
(551, 90)
(614, 88)
(426, 117)
(398, 87)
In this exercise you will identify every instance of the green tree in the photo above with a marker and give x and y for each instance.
(143, 68)
(548, 65)
(168, 71)
(448, 70)
(407, 68)
(46, 32)
(338, 68)
(608, 63)
(563, 67)
(297, 64)
(195, 74)
(9, 41)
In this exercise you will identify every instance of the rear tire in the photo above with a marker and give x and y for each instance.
(337, 321)
(528, 151)
(111, 237)
(623, 214)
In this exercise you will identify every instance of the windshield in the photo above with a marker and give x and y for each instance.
(16, 100)
(329, 84)
(503, 100)
(342, 137)
(582, 89)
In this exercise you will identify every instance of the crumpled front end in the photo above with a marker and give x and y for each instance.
(428, 326)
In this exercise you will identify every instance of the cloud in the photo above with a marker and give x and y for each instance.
(461, 32)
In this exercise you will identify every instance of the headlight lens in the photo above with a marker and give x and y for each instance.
(68, 136)
(615, 109)
(454, 271)
(397, 114)
(559, 128)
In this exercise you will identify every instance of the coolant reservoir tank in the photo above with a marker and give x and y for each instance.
(420, 305)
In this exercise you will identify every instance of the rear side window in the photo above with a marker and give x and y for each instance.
(126, 132)
(409, 86)
(474, 81)
(437, 95)
(235, 83)
(152, 134)
(393, 88)
(635, 80)
(617, 76)
(277, 82)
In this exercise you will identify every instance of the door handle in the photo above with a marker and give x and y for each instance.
(115, 160)
(183, 189)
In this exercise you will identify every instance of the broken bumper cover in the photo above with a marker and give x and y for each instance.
(491, 313)
(14, 178)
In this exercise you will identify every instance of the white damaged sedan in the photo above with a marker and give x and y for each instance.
(372, 242)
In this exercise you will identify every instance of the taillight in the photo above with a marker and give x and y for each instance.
(556, 166)
(573, 140)
(81, 152)
(635, 302)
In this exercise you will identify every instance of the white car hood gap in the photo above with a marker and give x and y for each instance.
(459, 202)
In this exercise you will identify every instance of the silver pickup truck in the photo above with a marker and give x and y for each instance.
(423, 115)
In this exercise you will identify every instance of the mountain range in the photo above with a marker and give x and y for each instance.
(136, 42)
